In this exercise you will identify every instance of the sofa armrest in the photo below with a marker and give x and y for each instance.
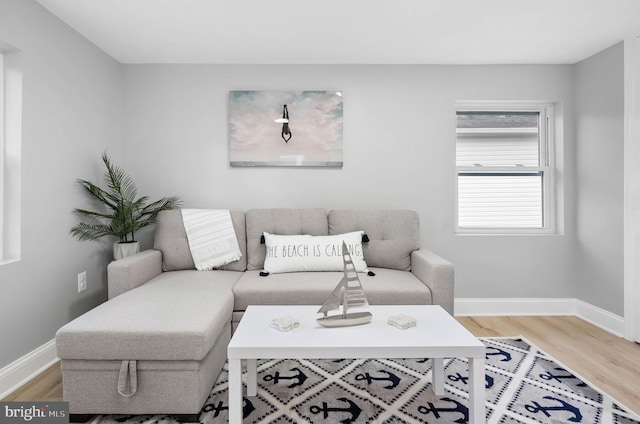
(437, 274)
(133, 271)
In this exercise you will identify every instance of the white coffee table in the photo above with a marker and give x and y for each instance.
(437, 335)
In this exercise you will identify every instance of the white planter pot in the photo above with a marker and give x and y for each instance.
(122, 250)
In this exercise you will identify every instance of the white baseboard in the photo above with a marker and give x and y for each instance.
(516, 307)
(540, 307)
(22, 370)
(599, 317)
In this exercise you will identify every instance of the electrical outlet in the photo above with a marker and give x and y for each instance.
(82, 281)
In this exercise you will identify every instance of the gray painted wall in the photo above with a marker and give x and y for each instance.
(398, 152)
(399, 125)
(72, 110)
(599, 88)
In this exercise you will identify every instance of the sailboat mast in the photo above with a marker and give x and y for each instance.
(346, 261)
(345, 306)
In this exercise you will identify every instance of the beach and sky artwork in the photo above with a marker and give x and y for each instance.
(285, 128)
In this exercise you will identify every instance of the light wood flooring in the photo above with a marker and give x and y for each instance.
(607, 361)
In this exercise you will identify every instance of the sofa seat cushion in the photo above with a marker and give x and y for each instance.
(176, 316)
(387, 287)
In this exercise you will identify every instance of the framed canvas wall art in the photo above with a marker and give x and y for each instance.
(285, 128)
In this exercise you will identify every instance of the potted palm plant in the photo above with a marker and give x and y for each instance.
(119, 212)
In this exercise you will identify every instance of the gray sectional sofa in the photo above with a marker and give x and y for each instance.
(159, 342)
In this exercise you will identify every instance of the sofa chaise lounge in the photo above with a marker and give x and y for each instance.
(159, 342)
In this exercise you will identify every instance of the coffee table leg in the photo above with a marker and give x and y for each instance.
(235, 391)
(252, 377)
(477, 395)
(438, 376)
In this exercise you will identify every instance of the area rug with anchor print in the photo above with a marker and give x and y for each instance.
(523, 385)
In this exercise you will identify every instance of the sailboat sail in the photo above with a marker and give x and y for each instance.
(348, 294)
(333, 301)
(354, 293)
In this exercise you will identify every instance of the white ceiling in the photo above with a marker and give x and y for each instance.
(351, 31)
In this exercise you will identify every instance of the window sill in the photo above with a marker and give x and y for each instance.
(509, 232)
(8, 261)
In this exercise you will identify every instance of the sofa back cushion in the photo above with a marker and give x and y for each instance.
(280, 221)
(393, 234)
(171, 240)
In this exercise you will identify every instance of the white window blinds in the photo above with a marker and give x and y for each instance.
(502, 169)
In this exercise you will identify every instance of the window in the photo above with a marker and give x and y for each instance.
(504, 168)
(2, 166)
(10, 151)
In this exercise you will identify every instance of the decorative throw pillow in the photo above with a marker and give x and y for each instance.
(294, 253)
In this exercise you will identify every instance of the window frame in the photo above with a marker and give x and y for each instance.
(546, 164)
(3, 90)
(10, 153)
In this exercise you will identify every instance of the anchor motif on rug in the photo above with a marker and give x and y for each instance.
(433, 409)
(247, 408)
(393, 379)
(352, 409)
(498, 352)
(465, 380)
(561, 406)
(276, 377)
(548, 376)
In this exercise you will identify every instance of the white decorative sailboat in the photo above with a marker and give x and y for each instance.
(347, 294)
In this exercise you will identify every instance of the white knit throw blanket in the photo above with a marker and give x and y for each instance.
(212, 239)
